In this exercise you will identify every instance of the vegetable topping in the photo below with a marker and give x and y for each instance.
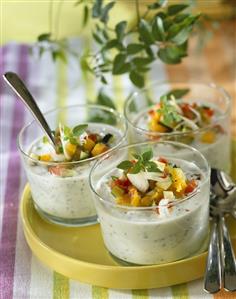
(74, 144)
(147, 181)
(177, 116)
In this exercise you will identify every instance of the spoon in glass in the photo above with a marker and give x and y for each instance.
(223, 199)
(21, 90)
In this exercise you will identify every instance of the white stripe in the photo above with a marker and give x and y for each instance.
(158, 72)
(80, 290)
(195, 290)
(162, 293)
(6, 123)
(120, 294)
(41, 284)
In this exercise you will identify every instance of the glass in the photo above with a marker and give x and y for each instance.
(216, 150)
(139, 235)
(67, 199)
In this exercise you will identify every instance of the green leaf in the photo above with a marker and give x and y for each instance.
(136, 78)
(151, 167)
(97, 8)
(104, 13)
(113, 43)
(180, 17)
(80, 129)
(158, 30)
(59, 55)
(118, 63)
(177, 93)
(125, 165)
(145, 32)
(136, 168)
(134, 48)
(174, 9)
(148, 155)
(103, 80)
(171, 54)
(182, 36)
(97, 38)
(44, 37)
(120, 30)
(104, 100)
(141, 61)
(86, 15)
(154, 5)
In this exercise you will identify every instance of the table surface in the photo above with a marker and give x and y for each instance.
(56, 84)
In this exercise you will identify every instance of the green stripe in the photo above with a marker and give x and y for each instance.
(233, 157)
(62, 88)
(180, 291)
(61, 289)
(140, 294)
(99, 293)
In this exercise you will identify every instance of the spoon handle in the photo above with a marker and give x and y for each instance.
(21, 90)
(212, 278)
(229, 261)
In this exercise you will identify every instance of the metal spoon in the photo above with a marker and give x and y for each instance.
(21, 90)
(225, 198)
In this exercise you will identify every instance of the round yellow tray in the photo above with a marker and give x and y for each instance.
(79, 253)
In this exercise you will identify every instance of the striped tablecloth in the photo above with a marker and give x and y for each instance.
(58, 84)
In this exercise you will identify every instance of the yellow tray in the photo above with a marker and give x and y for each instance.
(79, 253)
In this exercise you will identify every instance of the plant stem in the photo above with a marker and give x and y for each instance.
(137, 10)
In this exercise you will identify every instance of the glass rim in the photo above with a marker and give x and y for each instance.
(212, 85)
(54, 163)
(113, 204)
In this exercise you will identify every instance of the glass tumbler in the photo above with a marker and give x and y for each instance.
(67, 199)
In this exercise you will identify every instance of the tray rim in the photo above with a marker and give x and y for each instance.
(43, 252)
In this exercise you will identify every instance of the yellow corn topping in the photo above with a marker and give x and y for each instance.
(156, 127)
(98, 149)
(179, 179)
(208, 137)
(71, 148)
(46, 157)
(89, 144)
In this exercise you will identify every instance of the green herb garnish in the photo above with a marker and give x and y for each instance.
(143, 163)
(79, 130)
(168, 112)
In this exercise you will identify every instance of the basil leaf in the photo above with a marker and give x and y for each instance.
(177, 93)
(125, 165)
(136, 168)
(78, 130)
(97, 8)
(86, 15)
(147, 155)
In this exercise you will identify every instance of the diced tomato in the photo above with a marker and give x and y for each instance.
(151, 113)
(190, 186)
(209, 112)
(124, 184)
(186, 109)
(163, 160)
(56, 170)
(93, 137)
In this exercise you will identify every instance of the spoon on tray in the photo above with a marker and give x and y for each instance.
(21, 90)
(221, 262)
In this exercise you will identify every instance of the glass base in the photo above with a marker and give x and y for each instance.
(121, 262)
(74, 222)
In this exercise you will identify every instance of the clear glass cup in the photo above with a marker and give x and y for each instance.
(67, 199)
(215, 149)
(139, 235)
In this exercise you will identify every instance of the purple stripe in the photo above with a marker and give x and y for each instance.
(3, 52)
(9, 227)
